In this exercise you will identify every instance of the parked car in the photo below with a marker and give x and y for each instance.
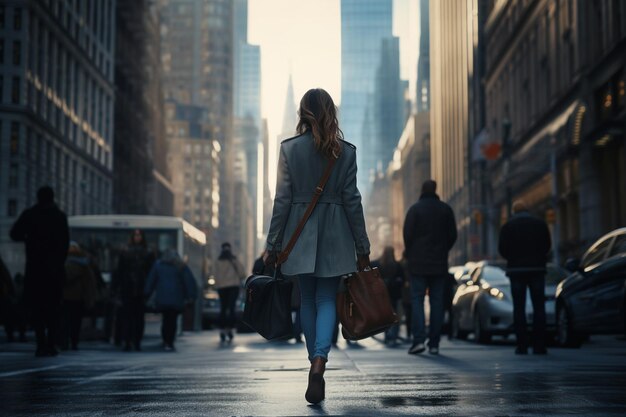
(592, 300)
(483, 305)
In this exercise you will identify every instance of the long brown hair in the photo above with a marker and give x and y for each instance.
(318, 114)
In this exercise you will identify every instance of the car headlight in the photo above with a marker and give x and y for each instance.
(496, 293)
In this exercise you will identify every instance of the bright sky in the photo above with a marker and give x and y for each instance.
(303, 37)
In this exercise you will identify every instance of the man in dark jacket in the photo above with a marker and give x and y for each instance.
(429, 234)
(44, 229)
(525, 243)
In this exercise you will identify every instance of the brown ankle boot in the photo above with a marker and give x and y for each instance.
(315, 390)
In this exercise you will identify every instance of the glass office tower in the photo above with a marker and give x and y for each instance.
(364, 25)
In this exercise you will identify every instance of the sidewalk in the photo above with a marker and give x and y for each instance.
(255, 377)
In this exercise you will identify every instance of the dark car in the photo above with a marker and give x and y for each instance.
(592, 299)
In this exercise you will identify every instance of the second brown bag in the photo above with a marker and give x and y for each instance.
(363, 305)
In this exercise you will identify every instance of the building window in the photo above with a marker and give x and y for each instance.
(15, 91)
(1, 88)
(1, 51)
(2, 9)
(13, 175)
(17, 53)
(17, 18)
(12, 208)
(14, 138)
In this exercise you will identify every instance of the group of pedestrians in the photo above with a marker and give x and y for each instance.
(62, 283)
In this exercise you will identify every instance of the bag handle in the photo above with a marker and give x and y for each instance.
(282, 256)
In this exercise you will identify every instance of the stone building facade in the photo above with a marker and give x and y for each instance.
(56, 108)
(555, 98)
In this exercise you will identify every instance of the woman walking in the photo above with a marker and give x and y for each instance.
(175, 285)
(128, 283)
(334, 233)
(229, 276)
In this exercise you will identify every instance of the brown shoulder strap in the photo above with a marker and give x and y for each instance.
(282, 256)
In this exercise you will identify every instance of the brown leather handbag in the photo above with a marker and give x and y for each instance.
(363, 305)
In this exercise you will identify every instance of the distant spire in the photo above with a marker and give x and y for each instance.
(290, 117)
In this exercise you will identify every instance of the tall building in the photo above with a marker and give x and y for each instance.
(389, 113)
(141, 179)
(423, 64)
(452, 39)
(56, 108)
(247, 100)
(366, 27)
(555, 100)
(197, 59)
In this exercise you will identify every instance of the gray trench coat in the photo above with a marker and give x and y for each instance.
(335, 232)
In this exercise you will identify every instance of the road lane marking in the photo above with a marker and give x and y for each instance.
(28, 371)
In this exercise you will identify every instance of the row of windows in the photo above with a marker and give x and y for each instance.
(16, 17)
(35, 160)
(53, 66)
(536, 73)
(90, 24)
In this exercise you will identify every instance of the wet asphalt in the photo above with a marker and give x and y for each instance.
(252, 377)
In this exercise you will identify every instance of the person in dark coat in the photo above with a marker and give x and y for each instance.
(128, 285)
(175, 285)
(44, 230)
(392, 273)
(429, 234)
(525, 243)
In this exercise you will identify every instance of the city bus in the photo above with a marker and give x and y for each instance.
(105, 236)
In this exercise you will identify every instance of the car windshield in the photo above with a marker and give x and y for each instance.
(494, 276)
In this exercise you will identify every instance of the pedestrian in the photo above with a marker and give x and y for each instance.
(392, 273)
(175, 286)
(44, 230)
(128, 285)
(334, 234)
(79, 294)
(229, 279)
(429, 234)
(525, 243)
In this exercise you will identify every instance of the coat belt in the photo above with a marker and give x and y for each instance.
(328, 198)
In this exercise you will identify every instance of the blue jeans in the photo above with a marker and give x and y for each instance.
(318, 313)
(435, 284)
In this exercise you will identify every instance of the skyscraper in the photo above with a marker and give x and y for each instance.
(452, 37)
(247, 101)
(56, 116)
(366, 36)
(423, 63)
(141, 179)
(197, 58)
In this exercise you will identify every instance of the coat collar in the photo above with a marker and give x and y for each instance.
(425, 196)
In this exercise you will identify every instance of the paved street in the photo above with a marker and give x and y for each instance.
(253, 377)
